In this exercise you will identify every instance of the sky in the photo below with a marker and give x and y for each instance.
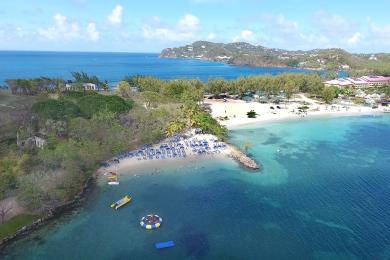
(150, 26)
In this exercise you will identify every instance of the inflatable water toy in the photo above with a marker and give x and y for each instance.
(151, 222)
(123, 201)
(162, 245)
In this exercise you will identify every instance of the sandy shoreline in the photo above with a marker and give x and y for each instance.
(232, 113)
(194, 148)
(186, 150)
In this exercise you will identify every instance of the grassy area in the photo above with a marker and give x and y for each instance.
(15, 223)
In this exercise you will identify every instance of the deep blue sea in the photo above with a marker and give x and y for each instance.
(323, 193)
(113, 67)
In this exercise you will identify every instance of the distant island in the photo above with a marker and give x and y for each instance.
(245, 54)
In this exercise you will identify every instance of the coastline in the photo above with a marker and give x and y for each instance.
(232, 113)
(188, 150)
(52, 214)
(127, 164)
(307, 117)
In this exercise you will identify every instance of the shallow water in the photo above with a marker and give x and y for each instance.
(323, 193)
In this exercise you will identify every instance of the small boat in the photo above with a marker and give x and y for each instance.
(123, 201)
(110, 174)
(162, 245)
(113, 183)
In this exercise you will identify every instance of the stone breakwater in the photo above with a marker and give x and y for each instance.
(243, 159)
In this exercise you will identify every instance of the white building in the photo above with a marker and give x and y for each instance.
(86, 86)
(361, 82)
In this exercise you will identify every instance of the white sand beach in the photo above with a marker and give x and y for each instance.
(232, 113)
(169, 151)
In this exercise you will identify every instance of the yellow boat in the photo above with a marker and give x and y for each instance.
(123, 201)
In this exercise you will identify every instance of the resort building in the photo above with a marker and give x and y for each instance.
(89, 86)
(361, 82)
(85, 86)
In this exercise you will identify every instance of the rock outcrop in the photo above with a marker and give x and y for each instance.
(243, 159)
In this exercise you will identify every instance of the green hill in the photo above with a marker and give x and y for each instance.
(245, 54)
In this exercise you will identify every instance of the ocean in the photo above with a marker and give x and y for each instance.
(113, 67)
(323, 193)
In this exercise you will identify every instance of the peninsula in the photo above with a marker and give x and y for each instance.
(245, 54)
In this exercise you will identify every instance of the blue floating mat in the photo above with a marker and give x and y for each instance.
(164, 244)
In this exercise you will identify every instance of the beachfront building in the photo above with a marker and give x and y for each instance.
(89, 86)
(361, 82)
(85, 86)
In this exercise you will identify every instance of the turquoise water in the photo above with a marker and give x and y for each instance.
(113, 67)
(324, 193)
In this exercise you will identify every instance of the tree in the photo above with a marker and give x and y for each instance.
(328, 94)
(150, 99)
(251, 114)
(387, 91)
(4, 210)
(175, 127)
(290, 88)
(123, 89)
(56, 109)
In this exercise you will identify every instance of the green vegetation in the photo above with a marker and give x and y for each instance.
(15, 223)
(251, 114)
(241, 53)
(82, 128)
(288, 84)
(56, 109)
(329, 93)
(94, 104)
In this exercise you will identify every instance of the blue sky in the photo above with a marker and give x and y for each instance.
(149, 26)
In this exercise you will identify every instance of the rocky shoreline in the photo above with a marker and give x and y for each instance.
(243, 159)
(235, 153)
(51, 214)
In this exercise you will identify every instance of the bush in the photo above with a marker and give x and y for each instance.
(78, 94)
(251, 114)
(208, 124)
(56, 109)
(94, 104)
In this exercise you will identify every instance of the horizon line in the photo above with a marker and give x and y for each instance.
(82, 51)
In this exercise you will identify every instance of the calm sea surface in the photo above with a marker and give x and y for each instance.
(324, 193)
(115, 66)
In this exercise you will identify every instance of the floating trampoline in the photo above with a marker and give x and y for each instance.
(151, 222)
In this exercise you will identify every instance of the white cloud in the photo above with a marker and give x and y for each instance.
(211, 36)
(92, 32)
(61, 29)
(355, 38)
(246, 36)
(115, 17)
(380, 32)
(11, 33)
(286, 25)
(189, 23)
(185, 29)
(165, 34)
(331, 21)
